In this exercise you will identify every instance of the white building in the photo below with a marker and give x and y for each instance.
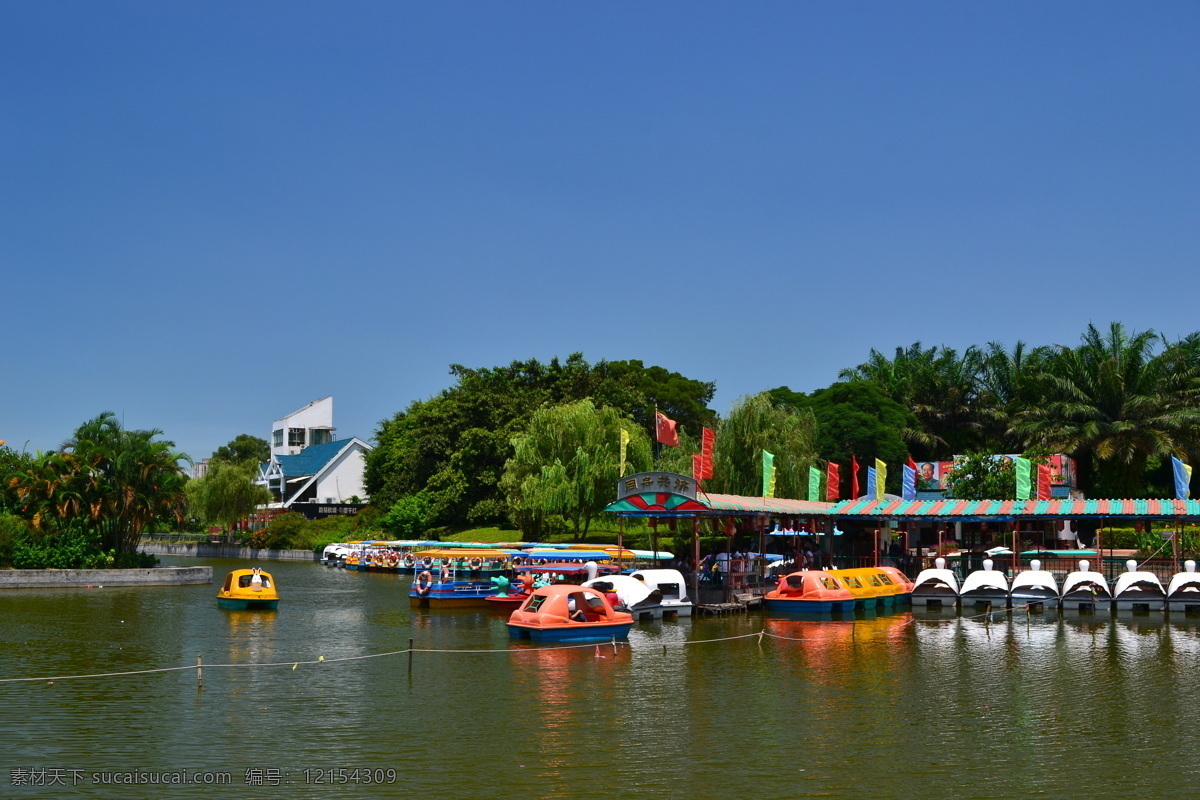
(308, 465)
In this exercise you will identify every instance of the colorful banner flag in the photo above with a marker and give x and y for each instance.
(698, 467)
(665, 430)
(1183, 478)
(768, 474)
(833, 483)
(880, 478)
(1023, 468)
(624, 445)
(853, 477)
(1044, 479)
(908, 486)
(871, 482)
(707, 438)
(814, 484)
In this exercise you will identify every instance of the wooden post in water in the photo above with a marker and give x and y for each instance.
(1015, 557)
(696, 560)
(410, 652)
(1175, 545)
(199, 671)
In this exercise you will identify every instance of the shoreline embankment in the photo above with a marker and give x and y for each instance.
(209, 550)
(87, 578)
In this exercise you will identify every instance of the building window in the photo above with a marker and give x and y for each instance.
(318, 436)
(278, 437)
(295, 437)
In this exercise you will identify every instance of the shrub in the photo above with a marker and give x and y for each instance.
(408, 518)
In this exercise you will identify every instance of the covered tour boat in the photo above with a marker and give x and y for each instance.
(248, 589)
(1086, 591)
(566, 613)
(935, 587)
(809, 591)
(875, 587)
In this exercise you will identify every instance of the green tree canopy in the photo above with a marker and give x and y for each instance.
(982, 476)
(107, 480)
(567, 463)
(855, 418)
(1120, 398)
(454, 446)
(227, 494)
(244, 448)
(755, 424)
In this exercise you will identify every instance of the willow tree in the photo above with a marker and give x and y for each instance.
(755, 424)
(227, 493)
(567, 462)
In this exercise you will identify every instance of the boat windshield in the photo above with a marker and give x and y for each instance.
(534, 603)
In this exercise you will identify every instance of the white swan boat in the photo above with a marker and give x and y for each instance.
(1086, 590)
(635, 597)
(935, 587)
(985, 587)
(1183, 593)
(670, 583)
(1138, 591)
(1034, 586)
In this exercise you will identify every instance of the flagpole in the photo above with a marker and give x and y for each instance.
(657, 443)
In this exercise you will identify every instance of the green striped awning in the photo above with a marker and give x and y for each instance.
(965, 510)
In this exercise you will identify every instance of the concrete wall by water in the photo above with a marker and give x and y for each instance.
(204, 550)
(57, 578)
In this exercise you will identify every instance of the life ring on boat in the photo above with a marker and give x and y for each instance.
(424, 583)
(393, 559)
(408, 559)
(476, 562)
(426, 562)
(518, 561)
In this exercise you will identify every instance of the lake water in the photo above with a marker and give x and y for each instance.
(882, 707)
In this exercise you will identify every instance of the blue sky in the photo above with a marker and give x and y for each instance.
(213, 213)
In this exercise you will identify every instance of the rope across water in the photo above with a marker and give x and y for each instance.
(295, 663)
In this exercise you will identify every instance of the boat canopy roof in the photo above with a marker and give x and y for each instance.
(452, 553)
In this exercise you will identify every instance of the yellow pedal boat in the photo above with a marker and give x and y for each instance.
(248, 588)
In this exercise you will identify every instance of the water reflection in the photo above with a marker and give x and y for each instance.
(1004, 704)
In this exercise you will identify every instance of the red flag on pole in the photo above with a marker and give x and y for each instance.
(911, 463)
(698, 467)
(833, 482)
(1043, 482)
(853, 477)
(665, 430)
(707, 437)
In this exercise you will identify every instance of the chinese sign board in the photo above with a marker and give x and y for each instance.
(656, 482)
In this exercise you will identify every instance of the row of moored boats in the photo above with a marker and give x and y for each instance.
(1083, 590)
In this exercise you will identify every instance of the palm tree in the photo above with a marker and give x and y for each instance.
(939, 387)
(1120, 398)
(136, 479)
(1007, 387)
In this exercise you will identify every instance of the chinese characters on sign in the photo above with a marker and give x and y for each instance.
(668, 482)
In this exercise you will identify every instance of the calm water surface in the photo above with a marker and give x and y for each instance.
(885, 707)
